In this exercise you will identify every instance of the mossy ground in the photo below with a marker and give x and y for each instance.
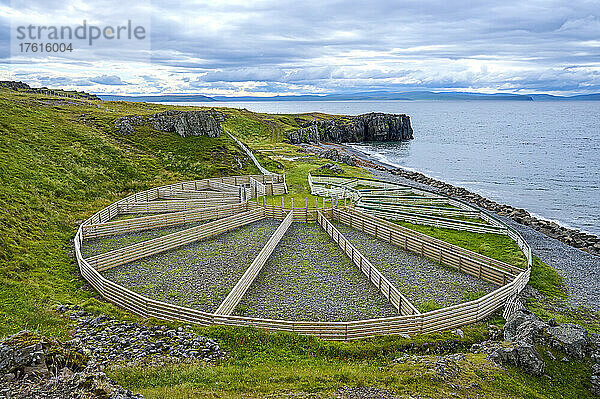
(61, 160)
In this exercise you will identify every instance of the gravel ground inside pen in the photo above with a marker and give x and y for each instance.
(425, 283)
(309, 278)
(97, 246)
(198, 275)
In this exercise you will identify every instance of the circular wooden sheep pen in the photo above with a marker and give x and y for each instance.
(231, 202)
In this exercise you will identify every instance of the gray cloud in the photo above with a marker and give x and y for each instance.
(111, 80)
(343, 46)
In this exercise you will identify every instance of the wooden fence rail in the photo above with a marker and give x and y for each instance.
(431, 220)
(161, 220)
(172, 205)
(395, 297)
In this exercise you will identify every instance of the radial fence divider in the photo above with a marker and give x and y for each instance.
(239, 290)
(160, 244)
(395, 297)
(161, 220)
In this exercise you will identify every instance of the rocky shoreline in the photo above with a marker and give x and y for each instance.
(572, 237)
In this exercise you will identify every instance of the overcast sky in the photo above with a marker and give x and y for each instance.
(300, 47)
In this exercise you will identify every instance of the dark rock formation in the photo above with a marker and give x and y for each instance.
(184, 123)
(595, 380)
(187, 123)
(125, 124)
(571, 339)
(35, 366)
(339, 156)
(524, 331)
(367, 127)
(331, 168)
(522, 355)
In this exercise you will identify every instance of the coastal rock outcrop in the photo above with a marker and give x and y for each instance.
(184, 123)
(187, 123)
(366, 127)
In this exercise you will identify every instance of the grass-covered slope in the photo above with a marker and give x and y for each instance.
(61, 160)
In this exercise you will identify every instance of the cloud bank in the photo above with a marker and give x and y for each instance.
(270, 47)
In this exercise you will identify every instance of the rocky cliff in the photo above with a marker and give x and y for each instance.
(366, 127)
(184, 123)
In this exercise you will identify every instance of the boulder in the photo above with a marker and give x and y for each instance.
(525, 326)
(571, 339)
(187, 123)
(595, 380)
(125, 125)
(331, 168)
(595, 348)
(522, 355)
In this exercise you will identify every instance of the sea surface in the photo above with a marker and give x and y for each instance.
(540, 156)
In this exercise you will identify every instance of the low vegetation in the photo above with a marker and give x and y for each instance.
(61, 160)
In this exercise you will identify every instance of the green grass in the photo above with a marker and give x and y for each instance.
(286, 365)
(61, 162)
(56, 169)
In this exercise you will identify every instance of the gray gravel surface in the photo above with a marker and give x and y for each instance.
(102, 245)
(581, 270)
(308, 277)
(198, 275)
(418, 278)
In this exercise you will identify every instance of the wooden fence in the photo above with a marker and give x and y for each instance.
(431, 220)
(161, 220)
(461, 259)
(418, 206)
(236, 294)
(172, 205)
(396, 299)
(423, 209)
(511, 278)
(160, 244)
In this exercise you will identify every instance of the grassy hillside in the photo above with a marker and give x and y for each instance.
(61, 160)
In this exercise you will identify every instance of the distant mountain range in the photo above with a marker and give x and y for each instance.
(363, 96)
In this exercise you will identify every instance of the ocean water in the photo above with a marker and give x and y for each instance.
(540, 156)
